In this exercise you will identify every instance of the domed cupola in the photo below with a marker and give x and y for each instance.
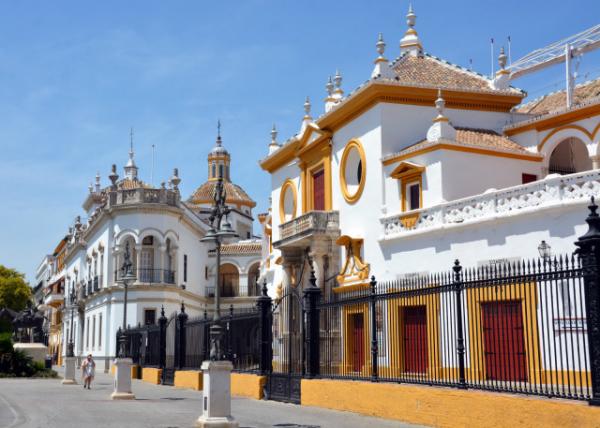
(219, 159)
(219, 162)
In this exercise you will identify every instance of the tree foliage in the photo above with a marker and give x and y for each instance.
(14, 291)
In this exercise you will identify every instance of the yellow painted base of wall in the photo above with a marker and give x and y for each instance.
(135, 370)
(447, 407)
(151, 375)
(247, 385)
(188, 379)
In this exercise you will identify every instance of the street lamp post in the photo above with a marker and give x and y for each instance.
(122, 384)
(217, 371)
(69, 378)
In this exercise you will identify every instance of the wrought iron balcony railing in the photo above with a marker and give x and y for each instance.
(150, 276)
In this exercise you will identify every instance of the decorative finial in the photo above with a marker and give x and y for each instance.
(441, 127)
(91, 188)
(175, 180)
(440, 104)
(502, 58)
(113, 176)
(411, 18)
(274, 135)
(380, 45)
(97, 182)
(410, 43)
(219, 132)
(329, 86)
(307, 106)
(338, 80)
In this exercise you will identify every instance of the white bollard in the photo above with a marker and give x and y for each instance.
(69, 378)
(122, 388)
(216, 400)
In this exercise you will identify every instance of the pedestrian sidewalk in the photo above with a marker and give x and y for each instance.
(48, 403)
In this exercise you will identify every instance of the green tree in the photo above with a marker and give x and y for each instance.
(14, 291)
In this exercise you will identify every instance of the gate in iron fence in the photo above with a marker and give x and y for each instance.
(295, 338)
(283, 383)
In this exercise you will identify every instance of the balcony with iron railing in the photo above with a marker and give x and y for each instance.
(232, 291)
(300, 231)
(149, 276)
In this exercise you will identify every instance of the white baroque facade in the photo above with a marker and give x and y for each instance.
(425, 163)
(171, 265)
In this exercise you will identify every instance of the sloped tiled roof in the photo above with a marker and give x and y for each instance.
(555, 101)
(430, 71)
(206, 193)
(472, 137)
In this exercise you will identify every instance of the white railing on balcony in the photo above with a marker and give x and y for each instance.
(553, 190)
(311, 222)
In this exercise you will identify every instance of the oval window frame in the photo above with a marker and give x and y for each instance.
(356, 145)
(287, 184)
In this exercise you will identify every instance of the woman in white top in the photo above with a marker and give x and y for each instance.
(89, 369)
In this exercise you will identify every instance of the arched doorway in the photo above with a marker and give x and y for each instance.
(230, 280)
(569, 156)
(253, 274)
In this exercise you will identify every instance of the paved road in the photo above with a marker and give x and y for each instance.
(47, 403)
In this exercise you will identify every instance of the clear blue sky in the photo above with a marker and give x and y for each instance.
(74, 76)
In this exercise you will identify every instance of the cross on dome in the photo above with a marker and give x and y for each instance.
(218, 158)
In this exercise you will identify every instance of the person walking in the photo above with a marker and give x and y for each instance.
(89, 369)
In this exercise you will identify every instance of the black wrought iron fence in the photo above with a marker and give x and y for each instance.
(515, 327)
(182, 343)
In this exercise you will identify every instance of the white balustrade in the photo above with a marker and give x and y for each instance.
(553, 190)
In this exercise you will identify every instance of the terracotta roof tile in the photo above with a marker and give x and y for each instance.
(558, 100)
(430, 71)
(245, 248)
(480, 138)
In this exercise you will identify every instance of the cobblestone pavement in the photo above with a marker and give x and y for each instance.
(47, 403)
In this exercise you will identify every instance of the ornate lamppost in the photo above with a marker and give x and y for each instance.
(217, 371)
(220, 229)
(69, 378)
(127, 278)
(122, 385)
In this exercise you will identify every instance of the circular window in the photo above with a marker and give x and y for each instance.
(353, 171)
(287, 201)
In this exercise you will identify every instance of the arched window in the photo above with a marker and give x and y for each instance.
(253, 274)
(220, 170)
(230, 279)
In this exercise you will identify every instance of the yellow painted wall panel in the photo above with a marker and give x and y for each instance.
(447, 407)
(247, 385)
(151, 375)
(188, 379)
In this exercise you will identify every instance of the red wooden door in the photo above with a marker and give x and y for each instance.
(358, 351)
(319, 191)
(503, 341)
(415, 339)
